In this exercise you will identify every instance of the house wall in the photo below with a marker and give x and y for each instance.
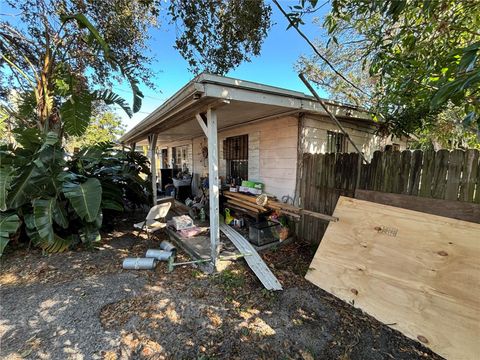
(314, 136)
(272, 154)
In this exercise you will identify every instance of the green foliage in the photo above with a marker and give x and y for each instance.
(421, 56)
(64, 202)
(9, 224)
(218, 35)
(103, 128)
(448, 132)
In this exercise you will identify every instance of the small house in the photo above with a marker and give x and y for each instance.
(261, 132)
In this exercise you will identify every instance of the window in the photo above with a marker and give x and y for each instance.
(235, 151)
(336, 142)
(179, 157)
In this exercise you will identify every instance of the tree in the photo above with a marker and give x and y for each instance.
(218, 35)
(103, 128)
(421, 54)
(64, 50)
(57, 66)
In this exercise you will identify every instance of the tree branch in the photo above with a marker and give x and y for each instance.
(315, 48)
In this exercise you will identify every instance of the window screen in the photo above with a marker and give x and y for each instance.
(336, 142)
(235, 151)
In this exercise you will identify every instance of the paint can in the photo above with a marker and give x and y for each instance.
(160, 255)
(167, 246)
(139, 263)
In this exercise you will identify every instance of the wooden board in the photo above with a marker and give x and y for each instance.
(454, 209)
(416, 272)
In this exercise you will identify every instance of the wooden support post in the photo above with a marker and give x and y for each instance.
(152, 143)
(202, 124)
(213, 184)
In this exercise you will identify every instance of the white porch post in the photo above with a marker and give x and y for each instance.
(213, 183)
(152, 143)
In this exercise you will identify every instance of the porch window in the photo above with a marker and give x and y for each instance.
(179, 156)
(235, 151)
(336, 142)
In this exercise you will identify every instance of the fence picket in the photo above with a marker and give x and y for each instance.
(455, 166)
(443, 175)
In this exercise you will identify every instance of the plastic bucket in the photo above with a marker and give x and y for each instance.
(158, 254)
(165, 245)
(139, 263)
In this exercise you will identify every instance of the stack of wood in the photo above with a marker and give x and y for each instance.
(244, 201)
(249, 203)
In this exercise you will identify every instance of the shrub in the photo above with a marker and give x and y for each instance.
(56, 200)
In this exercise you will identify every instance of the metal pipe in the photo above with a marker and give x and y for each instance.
(167, 246)
(139, 263)
(160, 255)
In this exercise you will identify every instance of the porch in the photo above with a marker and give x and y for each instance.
(210, 104)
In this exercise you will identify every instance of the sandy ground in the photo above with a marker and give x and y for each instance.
(82, 305)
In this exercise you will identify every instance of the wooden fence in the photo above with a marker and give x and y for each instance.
(453, 176)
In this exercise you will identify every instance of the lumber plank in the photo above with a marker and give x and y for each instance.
(250, 208)
(246, 203)
(419, 273)
(453, 209)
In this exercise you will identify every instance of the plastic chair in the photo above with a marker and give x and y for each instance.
(155, 219)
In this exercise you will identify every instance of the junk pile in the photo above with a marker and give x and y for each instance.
(166, 252)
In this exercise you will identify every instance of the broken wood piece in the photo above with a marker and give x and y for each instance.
(254, 261)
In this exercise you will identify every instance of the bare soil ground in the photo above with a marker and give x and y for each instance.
(82, 305)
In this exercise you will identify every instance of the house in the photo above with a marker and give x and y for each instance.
(262, 132)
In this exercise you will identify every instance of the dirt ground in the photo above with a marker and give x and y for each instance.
(82, 305)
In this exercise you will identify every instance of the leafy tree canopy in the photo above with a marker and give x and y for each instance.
(409, 58)
(105, 127)
(54, 60)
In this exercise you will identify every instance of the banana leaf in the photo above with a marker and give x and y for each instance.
(43, 218)
(9, 224)
(5, 183)
(85, 198)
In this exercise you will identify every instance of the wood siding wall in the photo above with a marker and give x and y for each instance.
(447, 175)
(272, 154)
(314, 136)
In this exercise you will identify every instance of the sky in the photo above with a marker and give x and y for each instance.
(274, 66)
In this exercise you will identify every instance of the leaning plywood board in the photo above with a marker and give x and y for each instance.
(416, 272)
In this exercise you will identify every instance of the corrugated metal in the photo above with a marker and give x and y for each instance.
(252, 258)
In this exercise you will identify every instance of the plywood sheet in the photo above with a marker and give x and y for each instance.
(416, 272)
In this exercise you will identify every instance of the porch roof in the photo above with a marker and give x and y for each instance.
(236, 101)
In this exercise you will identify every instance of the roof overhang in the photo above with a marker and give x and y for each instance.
(237, 102)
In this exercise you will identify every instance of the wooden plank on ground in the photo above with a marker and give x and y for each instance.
(416, 272)
(253, 260)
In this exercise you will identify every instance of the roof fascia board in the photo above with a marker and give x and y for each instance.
(267, 98)
(187, 91)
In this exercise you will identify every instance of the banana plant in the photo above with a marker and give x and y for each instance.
(56, 203)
